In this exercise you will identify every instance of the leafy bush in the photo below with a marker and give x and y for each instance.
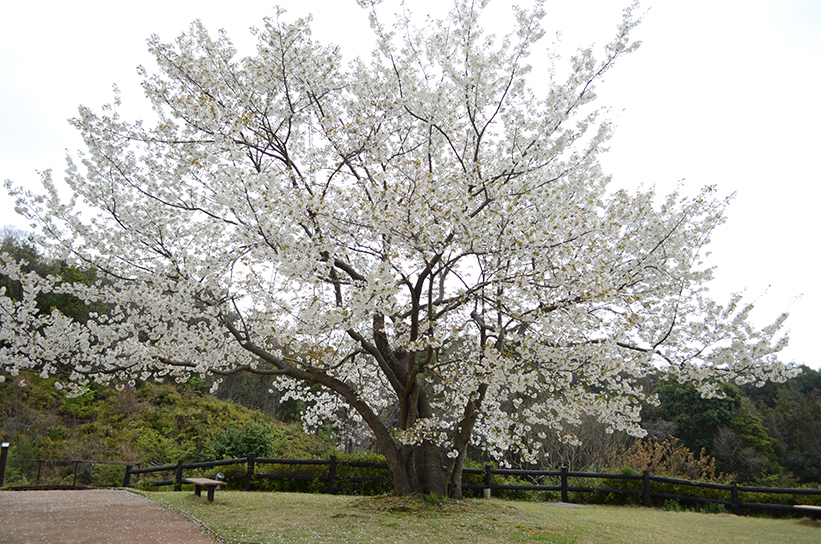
(510, 494)
(312, 485)
(348, 478)
(672, 505)
(158, 447)
(233, 443)
(711, 508)
(610, 498)
(344, 473)
(669, 458)
(516, 494)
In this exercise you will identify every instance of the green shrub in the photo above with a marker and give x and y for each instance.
(344, 473)
(105, 475)
(510, 494)
(711, 508)
(159, 447)
(233, 443)
(610, 498)
(672, 505)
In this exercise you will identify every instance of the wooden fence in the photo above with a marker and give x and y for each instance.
(644, 489)
(651, 489)
(60, 473)
(331, 479)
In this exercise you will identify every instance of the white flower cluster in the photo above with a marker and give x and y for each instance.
(421, 240)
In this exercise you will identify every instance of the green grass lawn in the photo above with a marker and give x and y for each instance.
(242, 517)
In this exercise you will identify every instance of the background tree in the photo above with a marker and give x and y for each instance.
(21, 246)
(697, 420)
(728, 428)
(420, 239)
(791, 415)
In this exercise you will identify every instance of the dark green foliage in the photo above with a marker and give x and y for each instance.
(510, 494)
(807, 383)
(771, 433)
(697, 419)
(62, 472)
(618, 498)
(749, 429)
(744, 448)
(233, 443)
(255, 391)
(251, 391)
(21, 247)
(672, 505)
(345, 473)
(350, 480)
(791, 414)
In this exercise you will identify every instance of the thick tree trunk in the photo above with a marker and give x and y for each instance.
(403, 481)
(429, 462)
(418, 471)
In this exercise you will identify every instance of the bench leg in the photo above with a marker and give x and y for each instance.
(198, 490)
(211, 490)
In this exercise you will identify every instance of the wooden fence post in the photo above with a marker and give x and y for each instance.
(39, 471)
(564, 485)
(178, 476)
(332, 476)
(488, 490)
(645, 488)
(249, 475)
(4, 455)
(127, 477)
(76, 466)
(734, 498)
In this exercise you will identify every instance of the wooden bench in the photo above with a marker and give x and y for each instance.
(814, 511)
(199, 483)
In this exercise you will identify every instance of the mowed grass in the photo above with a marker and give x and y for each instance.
(243, 517)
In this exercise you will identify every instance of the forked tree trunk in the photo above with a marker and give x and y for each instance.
(419, 471)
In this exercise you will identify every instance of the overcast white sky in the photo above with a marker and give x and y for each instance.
(721, 93)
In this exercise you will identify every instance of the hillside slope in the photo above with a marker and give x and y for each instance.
(149, 423)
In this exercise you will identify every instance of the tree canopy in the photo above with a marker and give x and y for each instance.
(419, 240)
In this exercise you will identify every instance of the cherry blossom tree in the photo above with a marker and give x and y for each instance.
(420, 242)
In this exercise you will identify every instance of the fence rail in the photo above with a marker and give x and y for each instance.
(331, 479)
(561, 482)
(60, 473)
(652, 489)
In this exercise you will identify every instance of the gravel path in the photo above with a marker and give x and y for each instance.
(91, 516)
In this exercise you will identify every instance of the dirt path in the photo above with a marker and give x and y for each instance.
(91, 516)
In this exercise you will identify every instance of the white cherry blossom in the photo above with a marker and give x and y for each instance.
(420, 240)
